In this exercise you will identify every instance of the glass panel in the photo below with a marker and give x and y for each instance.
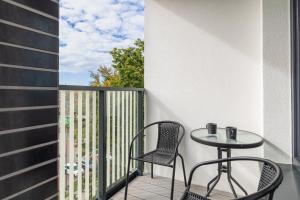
(78, 138)
(121, 128)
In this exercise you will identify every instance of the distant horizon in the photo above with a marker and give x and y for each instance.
(88, 33)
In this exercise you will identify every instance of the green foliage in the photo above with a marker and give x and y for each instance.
(127, 68)
(110, 78)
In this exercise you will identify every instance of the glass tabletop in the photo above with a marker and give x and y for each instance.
(244, 139)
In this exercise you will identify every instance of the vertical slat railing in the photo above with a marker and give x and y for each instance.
(113, 141)
(79, 150)
(118, 138)
(123, 134)
(108, 137)
(71, 147)
(127, 126)
(87, 146)
(62, 146)
(94, 129)
(96, 164)
(122, 123)
(80, 140)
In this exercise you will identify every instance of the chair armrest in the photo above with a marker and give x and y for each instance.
(181, 137)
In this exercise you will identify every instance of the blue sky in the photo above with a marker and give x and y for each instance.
(90, 29)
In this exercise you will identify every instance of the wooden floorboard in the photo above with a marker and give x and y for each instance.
(145, 188)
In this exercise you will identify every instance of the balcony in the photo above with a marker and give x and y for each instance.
(232, 62)
(103, 121)
(96, 126)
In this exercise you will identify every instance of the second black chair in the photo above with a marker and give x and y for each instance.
(270, 178)
(170, 135)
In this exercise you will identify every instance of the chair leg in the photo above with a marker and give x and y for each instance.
(173, 179)
(152, 170)
(183, 168)
(271, 196)
(127, 179)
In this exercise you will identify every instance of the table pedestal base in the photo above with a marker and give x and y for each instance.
(224, 169)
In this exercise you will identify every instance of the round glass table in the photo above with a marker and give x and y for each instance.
(244, 140)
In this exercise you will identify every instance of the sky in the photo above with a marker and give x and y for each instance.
(90, 29)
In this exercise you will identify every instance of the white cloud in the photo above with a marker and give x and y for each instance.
(112, 23)
(89, 29)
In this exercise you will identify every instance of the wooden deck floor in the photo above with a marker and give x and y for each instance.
(145, 188)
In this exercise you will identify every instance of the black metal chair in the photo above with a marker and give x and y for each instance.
(270, 179)
(170, 134)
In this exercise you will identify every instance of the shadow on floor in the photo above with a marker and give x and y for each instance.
(143, 187)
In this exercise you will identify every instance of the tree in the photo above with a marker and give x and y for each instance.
(127, 69)
(109, 77)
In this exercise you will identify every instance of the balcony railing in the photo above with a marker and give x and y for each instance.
(96, 128)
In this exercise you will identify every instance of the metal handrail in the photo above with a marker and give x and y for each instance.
(93, 88)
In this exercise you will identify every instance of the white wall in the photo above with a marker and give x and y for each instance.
(203, 63)
(277, 80)
(224, 61)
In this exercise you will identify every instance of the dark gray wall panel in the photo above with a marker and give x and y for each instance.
(295, 58)
(23, 57)
(17, 77)
(27, 18)
(18, 36)
(19, 140)
(21, 119)
(19, 161)
(25, 180)
(29, 82)
(42, 192)
(23, 98)
(48, 6)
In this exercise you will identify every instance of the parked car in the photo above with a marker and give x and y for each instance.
(84, 164)
(76, 170)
